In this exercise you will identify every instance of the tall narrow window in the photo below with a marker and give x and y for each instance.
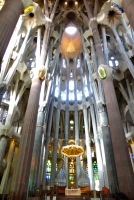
(48, 170)
(56, 91)
(71, 85)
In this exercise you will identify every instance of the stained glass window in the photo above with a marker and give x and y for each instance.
(95, 170)
(48, 170)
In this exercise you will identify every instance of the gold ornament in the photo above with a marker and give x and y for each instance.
(72, 150)
(28, 9)
(41, 74)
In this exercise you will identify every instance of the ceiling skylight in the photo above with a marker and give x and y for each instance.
(70, 30)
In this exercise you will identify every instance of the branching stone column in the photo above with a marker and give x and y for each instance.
(36, 150)
(76, 142)
(76, 123)
(106, 145)
(14, 162)
(9, 16)
(3, 145)
(55, 145)
(6, 172)
(55, 141)
(122, 162)
(47, 143)
(40, 168)
(11, 72)
(19, 190)
(89, 151)
(123, 52)
(66, 124)
(107, 150)
(43, 146)
(94, 56)
(43, 164)
(26, 144)
(39, 128)
(87, 138)
(98, 150)
(105, 44)
(66, 138)
(14, 39)
(104, 133)
(41, 161)
(123, 21)
(120, 149)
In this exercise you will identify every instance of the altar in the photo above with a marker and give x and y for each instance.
(72, 192)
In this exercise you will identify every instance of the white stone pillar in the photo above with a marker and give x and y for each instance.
(6, 172)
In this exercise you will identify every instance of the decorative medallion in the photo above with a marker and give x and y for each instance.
(102, 72)
(41, 74)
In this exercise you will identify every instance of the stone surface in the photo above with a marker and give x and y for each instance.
(19, 190)
(128, 7)
(121, 155)
(9, 16)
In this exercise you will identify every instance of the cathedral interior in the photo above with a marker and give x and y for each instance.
(66, 99)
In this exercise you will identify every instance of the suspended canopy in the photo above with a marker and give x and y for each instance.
(72, 150)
